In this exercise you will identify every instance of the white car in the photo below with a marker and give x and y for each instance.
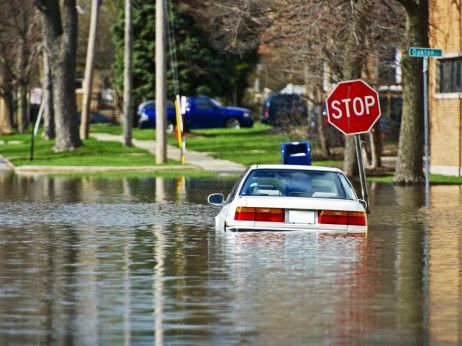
(291, 198)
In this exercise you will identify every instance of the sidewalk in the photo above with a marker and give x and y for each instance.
(194, 158)
(193, 161)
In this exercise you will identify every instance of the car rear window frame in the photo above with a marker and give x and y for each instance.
(259, 183)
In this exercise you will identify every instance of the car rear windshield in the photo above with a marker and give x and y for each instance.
(297, 183)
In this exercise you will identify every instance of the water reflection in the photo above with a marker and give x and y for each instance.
(313, 285)
(136, 261)
(444, 224)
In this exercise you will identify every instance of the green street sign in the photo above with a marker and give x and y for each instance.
(423, 52)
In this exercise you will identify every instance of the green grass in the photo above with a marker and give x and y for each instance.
(246, 146)
(93, 153)
(433, 178)
(443, 179)
(145, 134)
(384, 179)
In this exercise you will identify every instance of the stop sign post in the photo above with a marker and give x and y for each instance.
(353, 108)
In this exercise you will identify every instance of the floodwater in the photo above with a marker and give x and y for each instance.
(138, 262)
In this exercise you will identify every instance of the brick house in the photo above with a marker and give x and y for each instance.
(445, 88)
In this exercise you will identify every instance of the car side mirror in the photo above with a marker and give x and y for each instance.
(216, 199)
(363, 203)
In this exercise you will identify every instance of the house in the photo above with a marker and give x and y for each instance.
(445, 88)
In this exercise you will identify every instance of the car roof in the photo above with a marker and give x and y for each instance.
(296, 167)
(152, 102)
(284, 96)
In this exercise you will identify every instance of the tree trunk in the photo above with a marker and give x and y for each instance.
(128, 75)
(47, 97)
(353, 64)
(9, 104)
(23, 113)
(319, 99)
(21, 93)
(350, 167)
(325, 150)
(161, 84)
(7, 119)
(88, 81)
(61, 42)
(376, 146)
(410, 150)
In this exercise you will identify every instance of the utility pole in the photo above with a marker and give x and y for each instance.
(128, 75)
(88, 81)
(161, 84)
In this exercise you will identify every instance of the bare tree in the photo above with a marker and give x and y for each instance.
(410, 150)
(317, 42)
(60, 36)
(19, 47)
(354, 63)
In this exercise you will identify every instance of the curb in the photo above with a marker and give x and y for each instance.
(5, 164)
(95, 169)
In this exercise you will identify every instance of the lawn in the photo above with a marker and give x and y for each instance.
(246, 146)
(17, 149)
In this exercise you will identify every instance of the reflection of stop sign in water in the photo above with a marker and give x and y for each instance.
(353, 107)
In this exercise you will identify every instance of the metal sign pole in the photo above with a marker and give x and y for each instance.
(427, 183)
(425, 53)
(36, 127)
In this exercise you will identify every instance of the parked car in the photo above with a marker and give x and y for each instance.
(95, 118)
(284, 110)
(147, 115)
(201, 112)
(291, 198)
(390, 120)
(146, 104)
(204, 112)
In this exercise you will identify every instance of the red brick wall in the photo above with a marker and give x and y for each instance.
(444, 109)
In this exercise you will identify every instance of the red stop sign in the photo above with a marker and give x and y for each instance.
(353, 107)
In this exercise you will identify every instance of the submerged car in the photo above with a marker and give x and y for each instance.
(291, 198)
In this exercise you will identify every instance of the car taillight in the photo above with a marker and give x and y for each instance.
(244, 214)
(259, 214)
(357, 218)
(342, 217)
(266, 113)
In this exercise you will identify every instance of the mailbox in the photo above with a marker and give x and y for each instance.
(296, 153)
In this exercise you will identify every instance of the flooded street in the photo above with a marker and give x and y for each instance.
(88, 261)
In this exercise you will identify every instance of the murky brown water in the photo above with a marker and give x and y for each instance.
(136, 261)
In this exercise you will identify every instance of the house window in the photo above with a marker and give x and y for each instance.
(450, 75)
